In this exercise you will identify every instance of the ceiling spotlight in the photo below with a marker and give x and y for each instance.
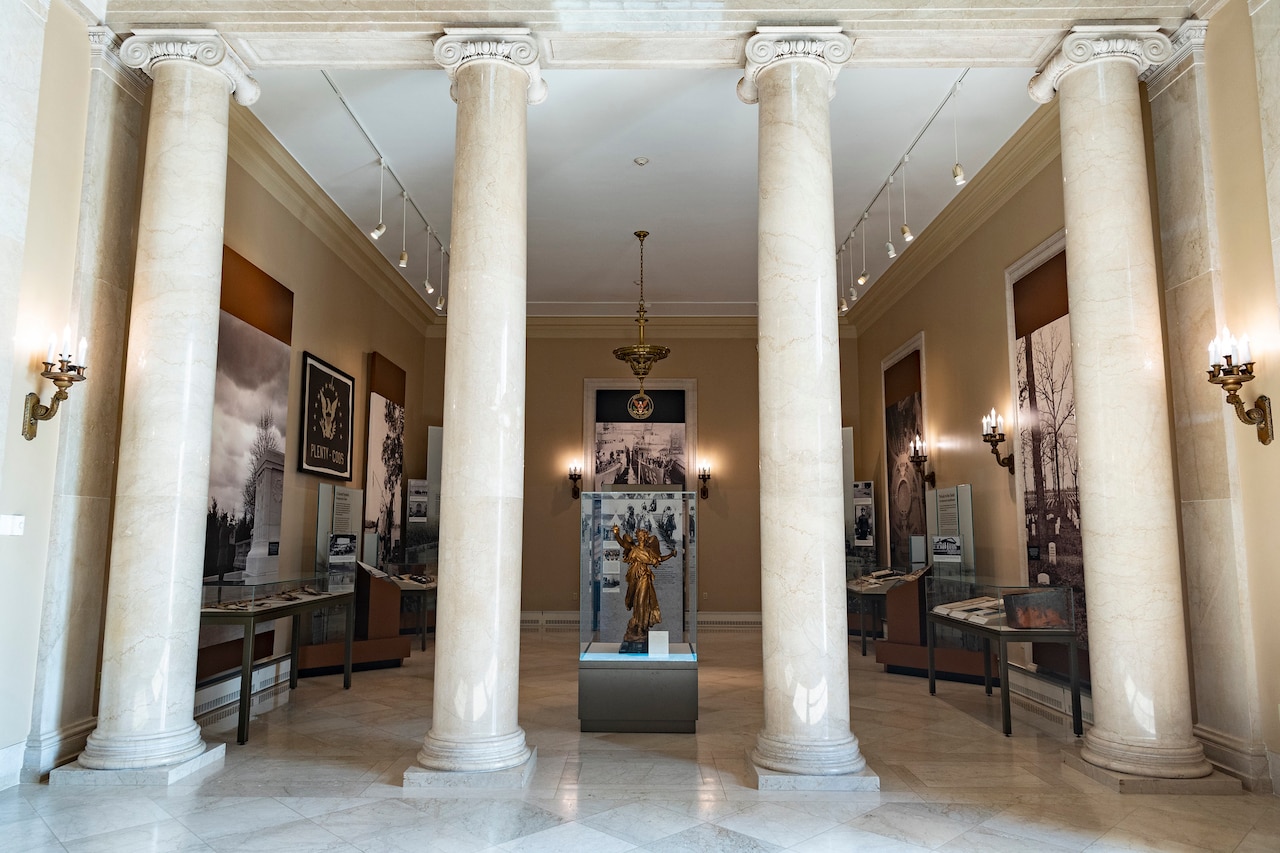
(380, 228)
(430, 288)
(641, 161)
(862, 279)
(957, 171)
(404, 231)
(440, 303)
(844, 305)
(888, 200)
(907, 236)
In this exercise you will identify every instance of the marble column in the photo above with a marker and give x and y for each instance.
(791, 74)
(1224, 660)
(1264, 19)
(1129, 524)
(474, 728)
(75, 575)
(146, 704)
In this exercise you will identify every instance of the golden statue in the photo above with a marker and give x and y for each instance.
(641, 555)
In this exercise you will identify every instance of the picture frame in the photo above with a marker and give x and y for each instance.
(328, 396)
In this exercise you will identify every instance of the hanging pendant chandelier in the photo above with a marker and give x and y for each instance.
(641, 356)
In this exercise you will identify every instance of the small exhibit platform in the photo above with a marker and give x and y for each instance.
(637, 692)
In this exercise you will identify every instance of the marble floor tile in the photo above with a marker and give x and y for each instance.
(323, 772)
(161, 837)
(777, 823)
(641, 823)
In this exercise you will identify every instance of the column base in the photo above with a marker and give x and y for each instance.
(77, 774)
(480, 755)
(1175, 762)
(1125, 783)
(772, 780)
(142, 751)
(511, 778)
(807, 758)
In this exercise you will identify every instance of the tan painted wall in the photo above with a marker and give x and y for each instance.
(1250, 297)
(728, 436)
(341, 319)
(26, 479)
(960, 306)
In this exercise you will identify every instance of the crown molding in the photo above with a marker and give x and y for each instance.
(622, 329)
(1036, 144)
(253, 147)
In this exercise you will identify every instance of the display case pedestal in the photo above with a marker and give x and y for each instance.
(637, 693)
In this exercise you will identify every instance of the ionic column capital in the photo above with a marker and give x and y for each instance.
(1143, 46)
(147, 48)
(771, 45)
(516, 47)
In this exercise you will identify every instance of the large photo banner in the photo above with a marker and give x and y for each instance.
(904, 490)
(1047, 434)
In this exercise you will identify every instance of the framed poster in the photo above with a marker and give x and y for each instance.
(623, 453)
(327, 395)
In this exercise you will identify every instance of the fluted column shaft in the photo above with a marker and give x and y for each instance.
(474, 722)
(146, 704)
(806, 686)
(1129, 526)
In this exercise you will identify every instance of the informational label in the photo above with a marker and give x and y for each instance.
(345, 511)
(948, 512)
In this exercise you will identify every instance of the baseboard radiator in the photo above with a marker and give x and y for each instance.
(1047, 698)
(220, 698)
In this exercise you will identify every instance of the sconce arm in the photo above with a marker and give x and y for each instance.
(1259, 415)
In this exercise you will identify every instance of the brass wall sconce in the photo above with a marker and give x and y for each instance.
(993, 434)
(1230, 366)
(918, 458)
(704, 475)
(63, 376)
(575, 474)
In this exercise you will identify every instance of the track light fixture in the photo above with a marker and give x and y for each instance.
(404, 231)
(907, 236)
(957, 171)
(862, 277)
(888, 200)
(431, 288)
(380, 228)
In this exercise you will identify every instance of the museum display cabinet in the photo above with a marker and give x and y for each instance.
(417, 584)
(638, 661)
(994, 616)
(904, 648)
(377, 640)
(247, 605)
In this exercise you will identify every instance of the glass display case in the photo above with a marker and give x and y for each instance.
(263, 596)
(1010, 607)
(662, 524)
(638, 661)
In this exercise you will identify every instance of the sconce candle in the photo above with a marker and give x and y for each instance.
(704, 475)
(63, 372)
(993, 434)
(1230, 366)
(575, 474)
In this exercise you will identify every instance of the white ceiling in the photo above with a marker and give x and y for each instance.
(696, 196)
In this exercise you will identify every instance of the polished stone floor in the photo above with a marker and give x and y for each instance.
(322, 773)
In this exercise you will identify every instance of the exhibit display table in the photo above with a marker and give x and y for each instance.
(424, 594)
(869, 593)
(637, 692)
(254, 605)
(1003, 635)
